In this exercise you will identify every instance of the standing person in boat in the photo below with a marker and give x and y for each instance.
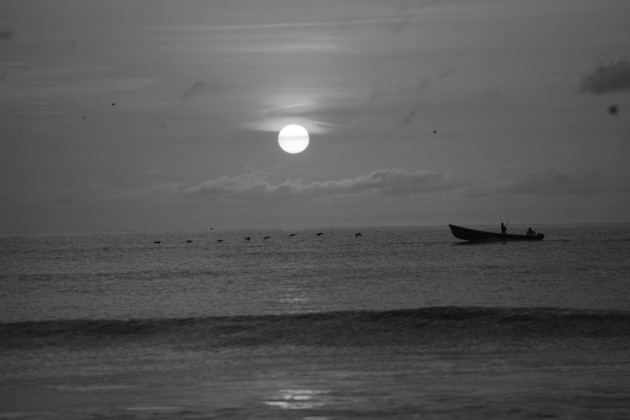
(530, 232)
(503, 228)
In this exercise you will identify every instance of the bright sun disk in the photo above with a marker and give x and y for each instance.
(293, 138)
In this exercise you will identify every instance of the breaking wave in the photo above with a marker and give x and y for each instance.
(443, 327)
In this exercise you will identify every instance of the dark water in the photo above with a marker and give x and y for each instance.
(399, 323)
(439, 328)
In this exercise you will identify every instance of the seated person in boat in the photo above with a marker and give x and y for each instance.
(530, 232)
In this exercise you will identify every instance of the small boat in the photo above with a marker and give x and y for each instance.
(479, 235)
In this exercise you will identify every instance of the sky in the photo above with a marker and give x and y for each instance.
(133, 115)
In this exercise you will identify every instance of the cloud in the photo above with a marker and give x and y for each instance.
(39, 88)
(552, 182)
(607, 78)
(385, 182)
(255, 188)
(200, 88)
(243, 191)
(405, 95)
(6, 33)
(401, 183)
(92, 192)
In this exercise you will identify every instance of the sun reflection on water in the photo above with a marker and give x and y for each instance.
(294, 299)
(297, 399)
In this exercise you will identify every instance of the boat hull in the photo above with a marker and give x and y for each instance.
(467, 234)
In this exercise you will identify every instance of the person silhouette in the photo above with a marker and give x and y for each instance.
(503, 228)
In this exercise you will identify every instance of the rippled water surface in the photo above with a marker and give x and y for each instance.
(395, 323)
(127, 275)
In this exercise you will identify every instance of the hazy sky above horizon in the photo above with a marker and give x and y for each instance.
(150, 115)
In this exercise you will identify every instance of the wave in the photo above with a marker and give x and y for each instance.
(444, 327)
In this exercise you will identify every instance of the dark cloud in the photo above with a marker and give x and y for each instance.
(200, 88)
(411, 115)
(607, 78)
(613, 109)
(6, 33)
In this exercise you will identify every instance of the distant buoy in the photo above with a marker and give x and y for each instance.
(157, 242)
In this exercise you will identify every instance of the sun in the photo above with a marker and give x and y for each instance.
(293, 138)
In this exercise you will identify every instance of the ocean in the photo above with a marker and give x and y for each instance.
(397, 323)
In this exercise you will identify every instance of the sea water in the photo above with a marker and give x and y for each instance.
(393, 323)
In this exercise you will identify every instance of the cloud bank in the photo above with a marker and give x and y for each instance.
(385, 182)
(381, 185)
(607, 78)
(199, 88)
